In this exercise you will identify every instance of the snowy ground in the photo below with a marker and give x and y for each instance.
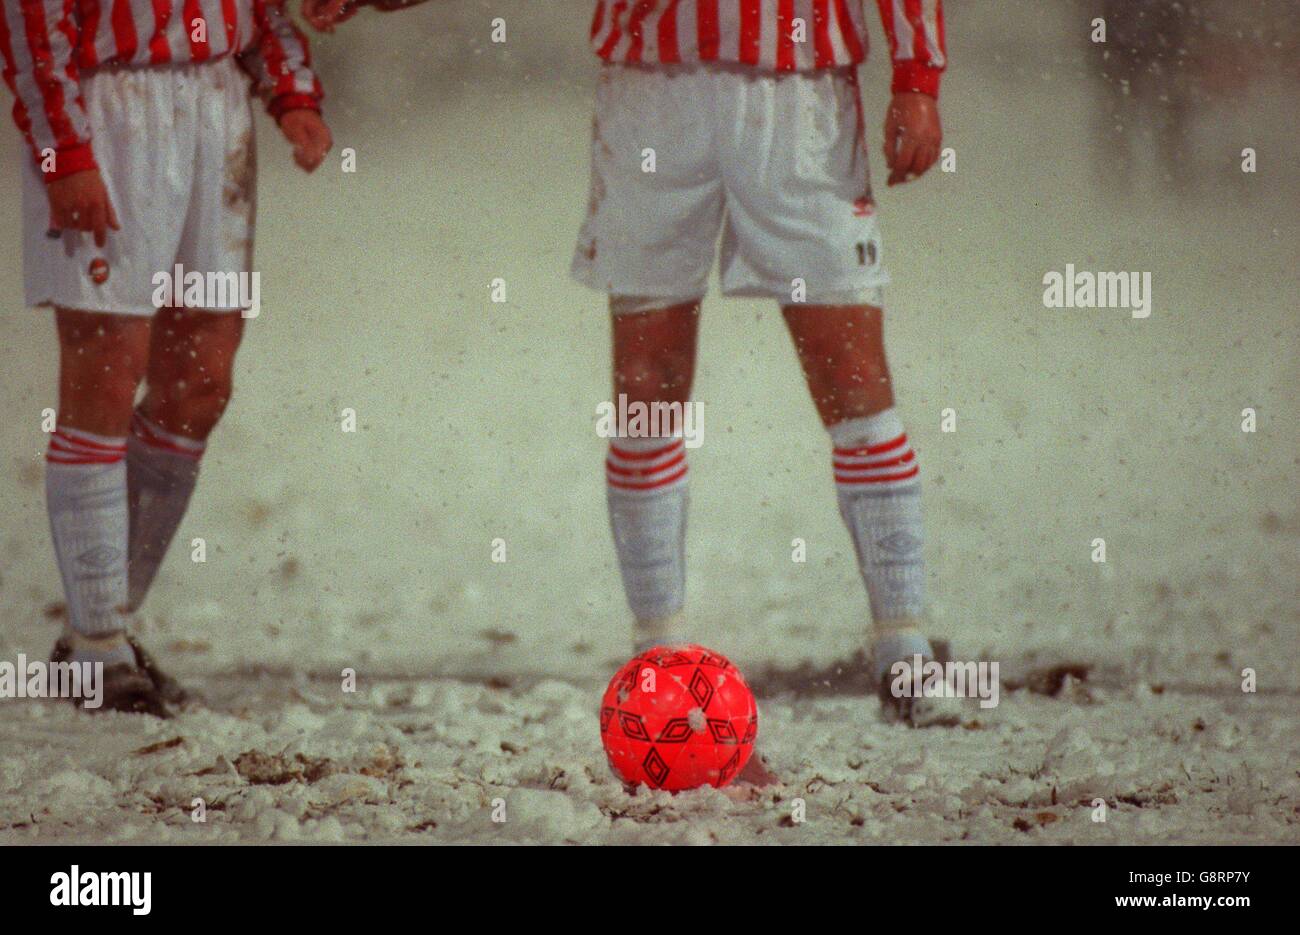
(480, 680)
(430, 760)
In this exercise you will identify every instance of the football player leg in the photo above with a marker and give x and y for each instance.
(877, 477)
(646, 482)
(191, 359)
(802, 227)
(102, 358)
(648, 243)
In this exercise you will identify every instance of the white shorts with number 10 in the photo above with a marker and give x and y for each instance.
(776, 161)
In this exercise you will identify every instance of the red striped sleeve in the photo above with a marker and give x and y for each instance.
(273, 55)
(912, 9)
(53, 98)
(21, 116)
(921, 59)
(941, 30)
(285, 76)
(39, 39)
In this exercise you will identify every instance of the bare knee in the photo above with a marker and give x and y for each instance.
(654, 353)
(191, 370)
(102, 359)
(189, 403)
(852, 370)
(656, 374)
(842, 353)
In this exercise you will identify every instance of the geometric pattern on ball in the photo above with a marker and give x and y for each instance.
(701, 689)
(678, 717)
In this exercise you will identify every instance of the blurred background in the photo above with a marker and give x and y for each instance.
(476, 419)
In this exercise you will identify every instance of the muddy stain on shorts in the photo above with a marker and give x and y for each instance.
(241, 174)
(239, 194)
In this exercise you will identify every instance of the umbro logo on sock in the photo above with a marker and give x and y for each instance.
(901, 542)
(101, 556)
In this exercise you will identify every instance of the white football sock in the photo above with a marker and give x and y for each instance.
(647, 496)
(108, 649)
(650, 632)
(85, 495)
(162, 468)
(879, 491)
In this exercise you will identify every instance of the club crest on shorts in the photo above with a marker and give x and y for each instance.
(98, 271)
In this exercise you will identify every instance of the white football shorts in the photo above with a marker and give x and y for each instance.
(175, 147)
(777, 162)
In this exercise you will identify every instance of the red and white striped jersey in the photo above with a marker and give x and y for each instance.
(46, 45)
(783, 35)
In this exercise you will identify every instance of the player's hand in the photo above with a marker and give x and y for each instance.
(912, 136)
(326, 14)
(80, 202)
(309, 136)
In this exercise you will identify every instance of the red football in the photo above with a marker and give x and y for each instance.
(677, 717)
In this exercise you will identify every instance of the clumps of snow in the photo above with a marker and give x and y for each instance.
(467, 762)
(260, 768)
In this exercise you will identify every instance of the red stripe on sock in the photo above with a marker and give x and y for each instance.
(613, 468)
(873, 449)
(150, 436)
(872, 465)
(63, 436)
(59, 457)
(66, 453)
(622, 485)
(883, 479)
(644, 455)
